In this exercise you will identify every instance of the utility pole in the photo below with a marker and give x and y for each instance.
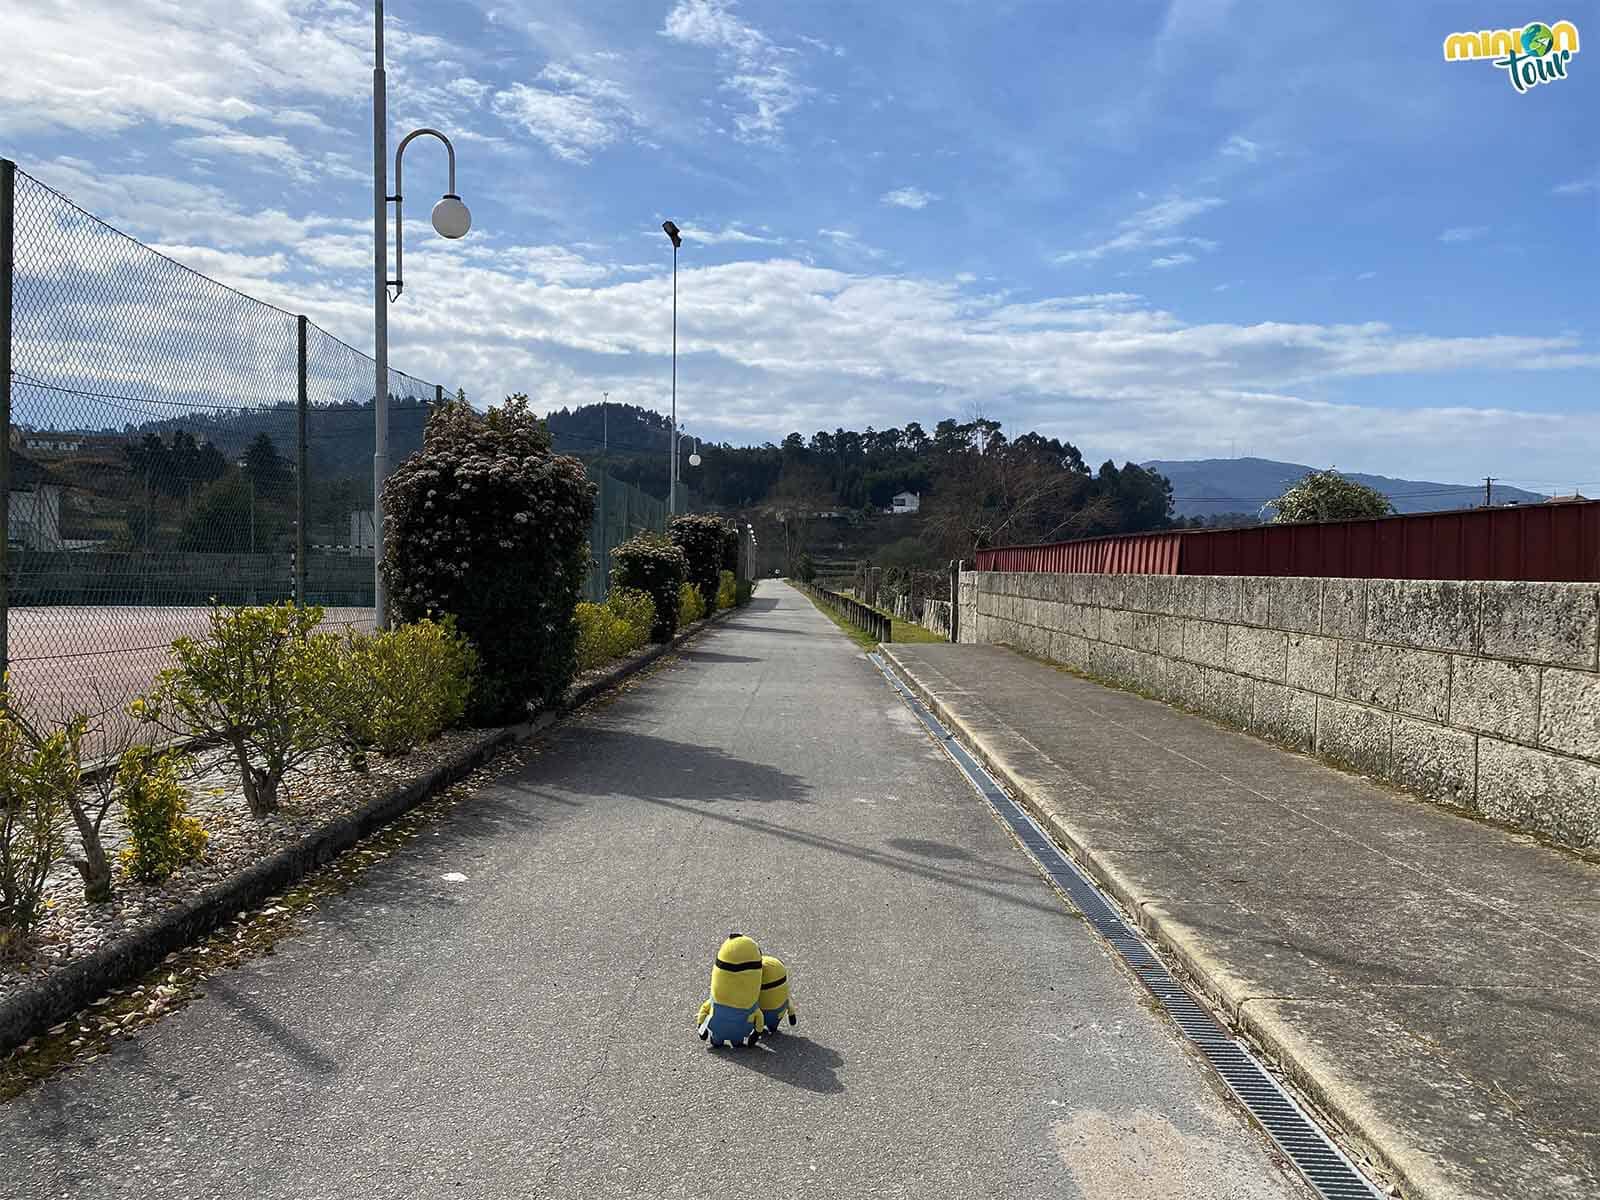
(1488, 491)
(605, 423)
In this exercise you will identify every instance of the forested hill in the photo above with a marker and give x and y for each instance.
(978, 486)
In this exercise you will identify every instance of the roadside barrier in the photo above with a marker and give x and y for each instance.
(869, 620)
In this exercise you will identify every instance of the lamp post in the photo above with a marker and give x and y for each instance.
(671, 231)
(452, 220)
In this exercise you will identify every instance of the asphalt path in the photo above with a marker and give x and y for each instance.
(528, 1031)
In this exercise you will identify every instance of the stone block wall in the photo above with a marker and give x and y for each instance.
(1480, 695)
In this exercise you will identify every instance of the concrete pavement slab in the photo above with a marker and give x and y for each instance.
(1320, 907)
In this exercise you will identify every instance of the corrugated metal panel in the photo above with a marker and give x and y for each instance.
(1550, 542)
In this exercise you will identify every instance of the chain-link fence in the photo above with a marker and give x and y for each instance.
(620, 511)
(171, 441)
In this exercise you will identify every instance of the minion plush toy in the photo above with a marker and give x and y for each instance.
(733, 1013)
(775, 999)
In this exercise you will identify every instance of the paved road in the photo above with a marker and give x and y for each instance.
(528, 1032)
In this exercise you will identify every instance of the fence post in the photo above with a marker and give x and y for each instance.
(301, 483)
(8, 228)
(955, 599)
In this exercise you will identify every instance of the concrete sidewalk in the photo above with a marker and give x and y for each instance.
(1429, 980)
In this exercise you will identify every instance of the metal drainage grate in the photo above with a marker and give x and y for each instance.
(1324, 1165)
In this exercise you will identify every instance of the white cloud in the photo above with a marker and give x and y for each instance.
(1367, 275)
(1464, 233)
(727, 234)
(1578, 187)
(756, 67)
(1242, 147)
(273, 149)
(100, 66)
(907, 197)
(1172, 260)
(1149, 228)
(572, 113)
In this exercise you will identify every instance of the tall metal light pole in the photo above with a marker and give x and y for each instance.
(452, 220)
(671, 231)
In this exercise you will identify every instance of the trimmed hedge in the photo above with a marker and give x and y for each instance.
(655, 566)
(488, 525)
(702, 539)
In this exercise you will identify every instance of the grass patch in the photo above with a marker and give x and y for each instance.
(909, 631)
(865, 640)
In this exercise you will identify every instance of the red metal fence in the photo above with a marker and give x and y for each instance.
(1551, 542)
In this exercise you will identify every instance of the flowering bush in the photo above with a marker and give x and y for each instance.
(727, 590)
(487, 524)
(702, 539)
(637, 609)
(649, 563)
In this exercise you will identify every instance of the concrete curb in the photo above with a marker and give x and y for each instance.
(62, 993)
(1349, 1110)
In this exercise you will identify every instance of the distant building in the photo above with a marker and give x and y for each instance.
(1574, 498)
(35, 518)
(905, 502)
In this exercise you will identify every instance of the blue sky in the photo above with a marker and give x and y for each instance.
(1158, 229)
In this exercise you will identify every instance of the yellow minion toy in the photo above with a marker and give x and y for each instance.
(775, 999)
(733, 1013)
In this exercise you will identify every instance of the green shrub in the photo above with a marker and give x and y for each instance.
(396, 689)
(602, 635)
(730, 547)
(255, 683)
(691, 606)
(649, 563)
(487, 524)
(727, 590)
(805, 570)
(701, 538)
(637, 609)
(37, 775)
(161, 835)
(743, 590)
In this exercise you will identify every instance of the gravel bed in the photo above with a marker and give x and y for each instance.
(323, 790)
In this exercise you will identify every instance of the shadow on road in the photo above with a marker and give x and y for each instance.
(713, 656)
(928, 849)
(617, 762)
(797, 1061)
(975, 881)
(302, 1051)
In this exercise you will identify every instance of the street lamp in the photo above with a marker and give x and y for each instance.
(671, 231)
(452, 220)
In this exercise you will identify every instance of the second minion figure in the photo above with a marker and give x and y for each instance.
(732, 1014)
(775, 998)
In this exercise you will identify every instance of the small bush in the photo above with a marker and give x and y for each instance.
(691, 607)
(730, 547)
(805, 570)
(161, 835)
(256, 683)
(637, 609)
(701, 539)
(488, 524)
(602, 635)
(37, 775)
(649, 563)
(727, 590)
(396, 689)
(743, 590)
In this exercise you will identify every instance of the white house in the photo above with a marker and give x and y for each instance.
(905, 502)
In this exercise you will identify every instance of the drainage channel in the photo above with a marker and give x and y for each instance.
(1323, 1165)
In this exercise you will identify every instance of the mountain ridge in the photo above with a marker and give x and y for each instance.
(1208, 487)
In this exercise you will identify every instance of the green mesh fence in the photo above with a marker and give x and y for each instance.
(620, 511)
